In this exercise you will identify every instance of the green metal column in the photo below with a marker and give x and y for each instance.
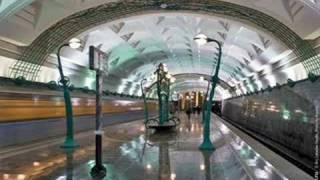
(160, 96)
(168, 100)
(205, 102)
(162, 90)
(69, 140)
(207, 144)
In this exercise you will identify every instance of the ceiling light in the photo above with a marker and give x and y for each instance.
(201, 39)
(74, 43)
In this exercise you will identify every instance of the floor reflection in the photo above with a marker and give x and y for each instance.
(69, 164)
(207, 165)
(133, 153)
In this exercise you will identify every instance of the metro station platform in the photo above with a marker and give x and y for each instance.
(131, 152)
(69, 68)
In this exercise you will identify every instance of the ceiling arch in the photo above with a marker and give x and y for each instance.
(150, 33)
(133, 38)
(46, 43)
(188, 82)
(196, 86)
(298, 15)
(196, 76)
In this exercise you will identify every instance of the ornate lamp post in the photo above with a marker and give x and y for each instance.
(207, 144)
(205, 98)
(69, 140)
(163, 88)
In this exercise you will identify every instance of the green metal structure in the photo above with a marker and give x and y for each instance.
(164, 121)
(163, 91)
(69, 140)
(207, 144)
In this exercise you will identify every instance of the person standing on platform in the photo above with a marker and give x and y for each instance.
(188, 108)
(198, 110)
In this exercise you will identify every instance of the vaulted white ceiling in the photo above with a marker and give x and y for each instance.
(136, 45)
(21, 21)
(252, 57)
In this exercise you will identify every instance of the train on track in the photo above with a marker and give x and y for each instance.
(24, 107)
(35, 115)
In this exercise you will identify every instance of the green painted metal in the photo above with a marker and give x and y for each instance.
(205, 103)
(34, 56)
(312, 77)
(163, 91)
(207, 144)
(69, 140)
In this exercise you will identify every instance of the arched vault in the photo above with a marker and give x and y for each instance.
(258, 50)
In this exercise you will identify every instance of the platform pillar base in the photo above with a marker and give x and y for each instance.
(69, 144)
(98, 172)
(207, 146)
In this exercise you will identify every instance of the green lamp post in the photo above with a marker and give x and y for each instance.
(205, 98)
(69, 140)
(207, 144)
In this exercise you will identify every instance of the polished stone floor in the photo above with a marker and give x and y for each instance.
(132, 153)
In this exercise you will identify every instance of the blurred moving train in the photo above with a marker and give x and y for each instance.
(29, 116)
(24, 107)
